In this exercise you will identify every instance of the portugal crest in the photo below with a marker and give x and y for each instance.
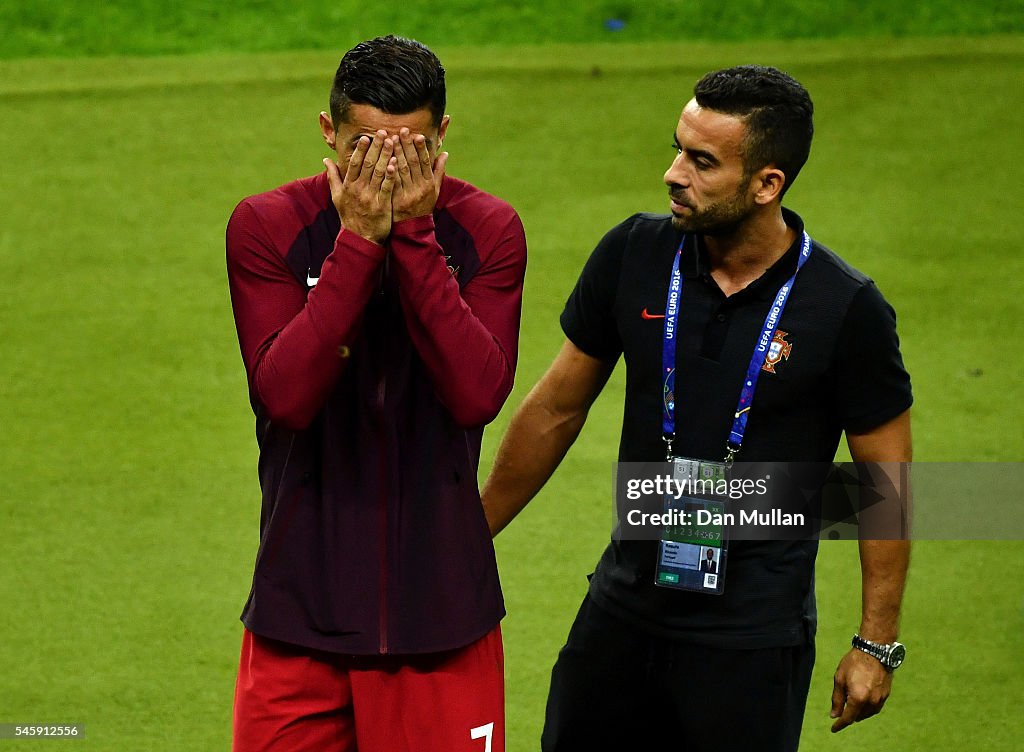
(778, 350)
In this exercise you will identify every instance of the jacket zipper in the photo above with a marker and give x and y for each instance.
(381, 394)
(383, 626)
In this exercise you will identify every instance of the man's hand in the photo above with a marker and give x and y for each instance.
(419, 178)
(363, 195)
(862, 685)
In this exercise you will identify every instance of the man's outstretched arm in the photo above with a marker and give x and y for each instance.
(541, 432)
(861, 683)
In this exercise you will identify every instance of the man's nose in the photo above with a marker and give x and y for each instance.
(676, 174)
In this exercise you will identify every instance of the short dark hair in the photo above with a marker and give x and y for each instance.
(393, 74)
(778, 112)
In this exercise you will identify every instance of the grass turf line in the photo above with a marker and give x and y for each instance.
(154, 27)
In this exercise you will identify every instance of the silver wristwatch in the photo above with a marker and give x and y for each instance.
(891, 656)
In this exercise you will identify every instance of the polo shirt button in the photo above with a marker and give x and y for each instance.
(721, 317)
(307, 477)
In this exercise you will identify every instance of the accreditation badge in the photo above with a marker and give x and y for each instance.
(693, 549)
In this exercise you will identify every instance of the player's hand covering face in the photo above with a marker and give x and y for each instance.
(387, 168)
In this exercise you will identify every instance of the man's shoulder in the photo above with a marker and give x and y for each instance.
(645, 222)
(833, 283)
(642, 233)
(652, 220)
(645, 226)
(271, 220)
(637, 243)
(465, 200)
(274, 218)
(300, 199)
(836, 269)
(491, 223)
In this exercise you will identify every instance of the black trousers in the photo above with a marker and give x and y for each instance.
(617, 688)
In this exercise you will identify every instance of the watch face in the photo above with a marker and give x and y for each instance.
(897, 656)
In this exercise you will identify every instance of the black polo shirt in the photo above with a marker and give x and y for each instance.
(841, 370)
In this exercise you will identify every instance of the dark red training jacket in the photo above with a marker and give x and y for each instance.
(372, 371)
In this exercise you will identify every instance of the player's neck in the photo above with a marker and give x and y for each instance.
(741, 256)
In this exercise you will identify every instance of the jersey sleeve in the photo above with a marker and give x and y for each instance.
(293, 344)
(588, 319)
(873, 386)
(467, 338)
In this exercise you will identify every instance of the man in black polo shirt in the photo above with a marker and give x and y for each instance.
(645, 664)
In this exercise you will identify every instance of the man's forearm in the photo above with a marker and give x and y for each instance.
(534, 445)
(541, 432)
(884, 452)
(468, 340)
(883, 576)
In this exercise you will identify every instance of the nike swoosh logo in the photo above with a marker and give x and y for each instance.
(648, 316)
(311, 281)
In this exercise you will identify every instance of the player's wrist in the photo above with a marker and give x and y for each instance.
(878, 630)
(891, 654)
(376, 235)
(412, 224)
(363, 239)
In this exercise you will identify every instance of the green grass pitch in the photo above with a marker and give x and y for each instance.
(128, 493)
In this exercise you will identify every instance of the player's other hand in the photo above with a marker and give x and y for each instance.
(419, 176)
(860, 688)
(363, 194)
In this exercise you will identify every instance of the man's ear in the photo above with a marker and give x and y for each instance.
(329, 133)
(442, 130)
(770, 181)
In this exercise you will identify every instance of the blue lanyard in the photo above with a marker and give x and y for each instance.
(668, 354)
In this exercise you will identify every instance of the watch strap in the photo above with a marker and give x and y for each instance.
(883, 653)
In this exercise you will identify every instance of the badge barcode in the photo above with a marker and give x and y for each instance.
(710, 580)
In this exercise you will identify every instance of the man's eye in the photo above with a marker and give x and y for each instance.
(677, 148)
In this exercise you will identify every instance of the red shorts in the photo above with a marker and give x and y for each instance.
(292, 699)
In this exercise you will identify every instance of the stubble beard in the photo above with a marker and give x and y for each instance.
(720, 218)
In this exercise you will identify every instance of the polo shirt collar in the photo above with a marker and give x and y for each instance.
(696, 265)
